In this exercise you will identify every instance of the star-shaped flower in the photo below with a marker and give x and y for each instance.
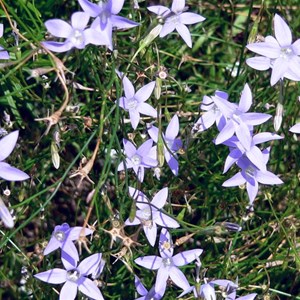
(251, 175)
(149, 214)
(75, 278)
(139, 159)
(75, 34)
(278, 53)
(134, 102)
(176, 18)
(167, 265)
(171, 142)
(106, 17)
(7, 145)
(63, 237)
(3, 53)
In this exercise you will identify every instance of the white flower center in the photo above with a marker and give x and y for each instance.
(146, 214)
(60, 235)
(77, 37)
(167, 261)
(132, 103)
(136, 159)
(73, 275)
(286, 53)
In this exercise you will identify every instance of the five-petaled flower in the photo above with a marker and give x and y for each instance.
(139, 159)
(149, 214)
(75, 34)
(170, 141)
(278, 53)
(63, 237)
(134, 102)
(75, 277)
(7, 145)
(167, 264)
(176, 18)
(251, 175)
(106, 17)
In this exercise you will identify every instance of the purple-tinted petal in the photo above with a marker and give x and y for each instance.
(263, 137)
(246, 99)
(116, 6)
(134, 118)
(7, 144)
(293, 71)
(188, 18)
(151, 234)
(295, 128)
(144, 149)
(135, 221)
(77, 231)
(165, 244)
(247, 297)
(5, 215)
(90, 289)
(4, 54)
(160, 198)
(177, 6)
(79, 20)
(153, 132)
(167, 28)
(256, 157)
(68, 291)
(226, 133)
(172, 162)
(186, 257)
(139, 286)
(173, 128)
(185, 34)
(90, 264)
(52, 245)
(159, 10)
(58, 46)
(235, 180)
(121, 22)
(270, 50)
(59, 28)
(161, 279)
(296, 47)
(255, 118)
(252, 190)
(128, 88)
(243, 134)
(10, 173)
(130, 149)
(96, 37)
(151, 262)
(206, 121)
(233, 156)
(178, 278)
(208, 292)
(227, 108)
(165, 221)
(282, 32)
(266, 177)
(145, 92)
(92, 9)
(54, 276)
(147, 109)
(260, 63)
(69, 248)
(279, 68)
(140, 172)
(1, 30)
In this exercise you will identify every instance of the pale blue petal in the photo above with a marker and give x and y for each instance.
(246, 99)
(144, 149)
(252, 190)
(58, 46)
(235, 180)
(151, 262)
(263, 137)
(159, 10)
(96, 37)
(153, 132)
(185, 34)
(4, 54)
(5, 215)
(186, 257)
(68, 291)
(167, 28)
(54, 276)
(134, 118)
(7, 144)
(130, 149)
(145, 92)
(172, 162)
(270, 50)
(52, 245)
(173, 128)
(247, 297)
(128, 88)
(90, 289)
(139, 286)
(77, 231)
(91, 8)
(165, 238)
(178, 278)
(116, 6)
(280, 66)
(243, 134)
(178, 6)
(59, 28)
(282, 32)
(296, 47)
(90, 264)
(233, 156)
(188, 18)
(151, 233)
(266, 177)
(226, 133)
(10, 173)
(160, 198)
(165, 221)
(147, 109)
(255, 118)
(295, 128)
(260, 63)
(122, 23)
(79, 20)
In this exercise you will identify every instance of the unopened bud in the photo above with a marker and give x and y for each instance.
(278, 117)
(152, 35)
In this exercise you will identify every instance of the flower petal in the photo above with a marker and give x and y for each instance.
(226, 133)
(58, 46)
(5, 215)
(7, 144)
(256, 157)
(255, 118)
(90, 264)
(130, 149)
(145, 92)
(68, 291)
(151, 262)
(144, 149)
(282, 32)
(185, 34)
(134, 118)
(128, 87)
(173, 128)
(186, 257)
(153, 132)
(235, 180)
(266, 177)
(147, 109)
(260, 63)
(178, 278)
(263, 137)
(10, 173)
(151, 234)
(121, 22)
(270, 50)
(52, 245)
(160, 198)
(90, 289)
(295, 128)
(91, 8)
(165, 221)
(280, 66)
(252, 190)
(167, 28)
(54, 276)
(172, 162)
(246, 99)
(247, 297)
(296, 47)
(177, 6)
(188, 18)
(80, 19)
(159, 10)
(59, 28)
